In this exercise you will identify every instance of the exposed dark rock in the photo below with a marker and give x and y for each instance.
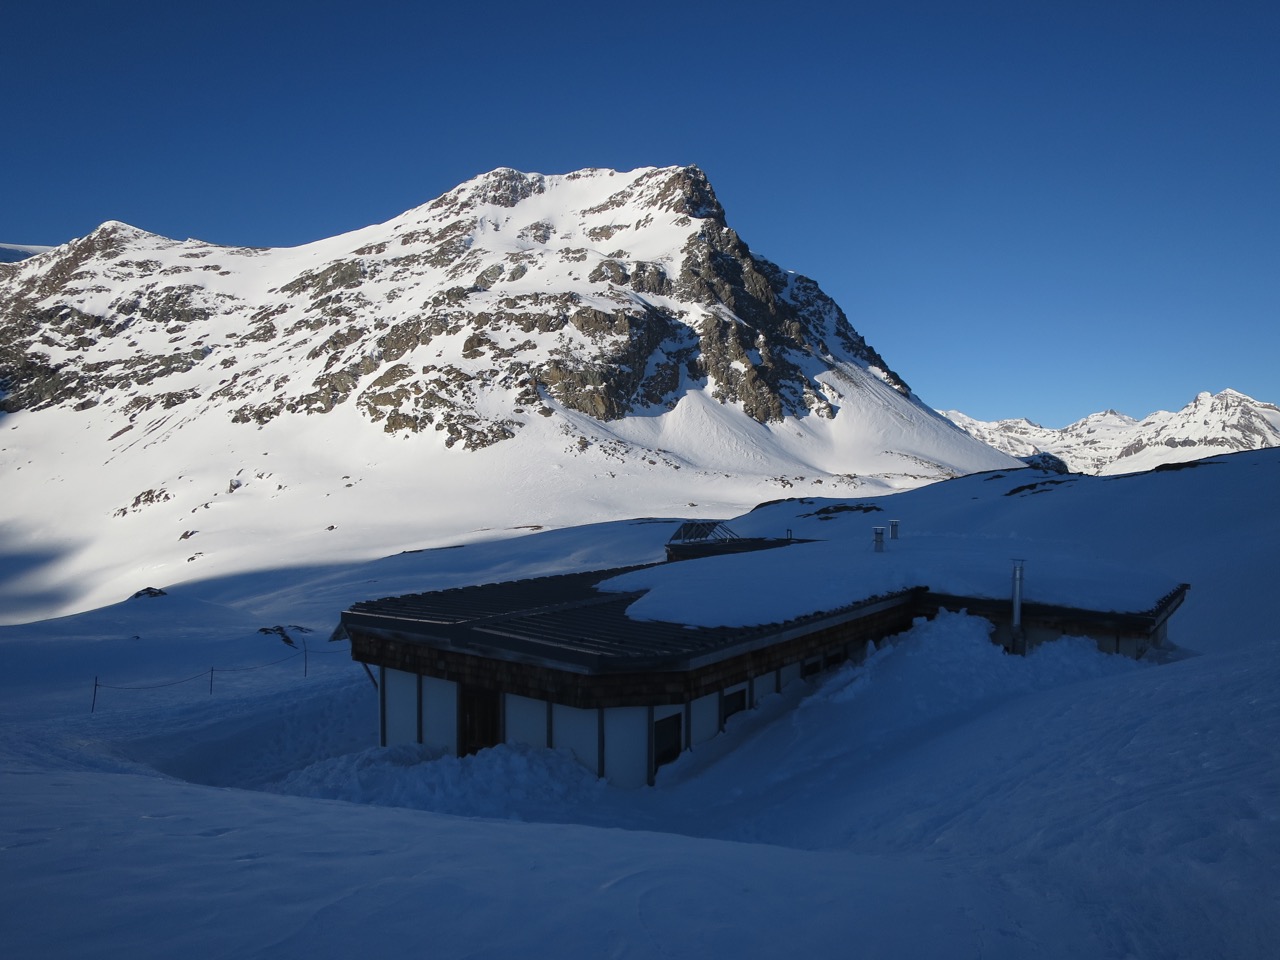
(343, 275)
(1047, 462)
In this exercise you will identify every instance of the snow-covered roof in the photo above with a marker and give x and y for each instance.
(679, 616)
(754, 588)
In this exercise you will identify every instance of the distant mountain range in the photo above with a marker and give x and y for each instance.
(1112, 443)
(14, 252)
(524, 350)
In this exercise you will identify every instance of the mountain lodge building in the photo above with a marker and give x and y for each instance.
(554, 662)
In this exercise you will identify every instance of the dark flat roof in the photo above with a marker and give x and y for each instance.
(565, 622)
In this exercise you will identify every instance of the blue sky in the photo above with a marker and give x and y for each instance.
(1031, 209)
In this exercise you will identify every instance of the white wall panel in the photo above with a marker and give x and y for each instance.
(578, 732)
(790, 672)
(705, 718)
(440, 715)
(526, 721)
(401, 692)
(626, 746)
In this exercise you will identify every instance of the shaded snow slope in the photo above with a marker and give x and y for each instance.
(939, 799)
(1112, 443)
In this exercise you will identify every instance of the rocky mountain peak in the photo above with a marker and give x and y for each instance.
(511, 296)
(686, 190)
(502, 187)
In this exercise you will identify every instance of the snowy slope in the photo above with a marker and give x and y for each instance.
(942, 799)
(524, 351)
(1112, 443)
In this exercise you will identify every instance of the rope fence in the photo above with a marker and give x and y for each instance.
(306, 654)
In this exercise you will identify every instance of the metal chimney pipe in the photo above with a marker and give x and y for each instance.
(878, 533)
(1019, 643)
(893, 529)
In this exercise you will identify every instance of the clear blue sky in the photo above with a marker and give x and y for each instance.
(1030, 208)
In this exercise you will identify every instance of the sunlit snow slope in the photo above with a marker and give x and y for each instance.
(523, 351)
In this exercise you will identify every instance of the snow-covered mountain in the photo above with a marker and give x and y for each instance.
(524, 350)
(1112, 443)
(13, 252)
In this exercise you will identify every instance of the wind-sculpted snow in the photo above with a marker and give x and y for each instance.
(505, 782)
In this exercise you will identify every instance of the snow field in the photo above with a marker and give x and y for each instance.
(939, 799)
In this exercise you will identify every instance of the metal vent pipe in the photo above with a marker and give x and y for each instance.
(878, 535)
(893, 529)
(1019, 644)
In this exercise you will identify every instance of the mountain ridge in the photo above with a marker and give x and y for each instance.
(628, 329)
(1110, 442)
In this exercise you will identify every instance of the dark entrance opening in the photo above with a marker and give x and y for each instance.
(479, 719)
(667, 739)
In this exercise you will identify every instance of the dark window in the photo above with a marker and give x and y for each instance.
(667, 739)
(734, 703)
(480, 720)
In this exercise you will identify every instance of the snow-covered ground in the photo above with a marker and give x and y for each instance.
(941, 799)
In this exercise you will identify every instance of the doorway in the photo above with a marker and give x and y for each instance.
(479, 719)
